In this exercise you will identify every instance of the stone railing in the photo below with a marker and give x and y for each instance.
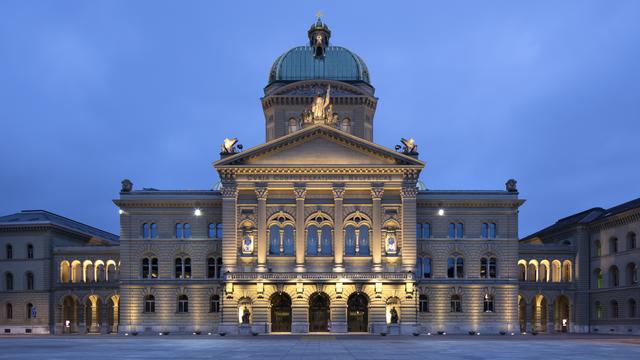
(319, 276)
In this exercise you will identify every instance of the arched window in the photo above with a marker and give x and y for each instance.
(154, 230)
(214, 303)
(146, 231)
(426, 267)
(281, 235)
(556, 271)
(613, 245)
(488, 231)
(29, 310)
(597, 274)
(183, 268)
(319, 235)
(455, 267)
(532, 271)
(183, 304)
(614, 276)
(488, 303)
(9, 251)
(631, 305)
(424, 303)
(456, 303)
(597, 248)
(544, 271)
(598, 310)
(150, 268)
(29, 251)
(211, 268)
(30, 281)
(631, 240)
(423, 231)
(566, 271)
(614, 309)
(522, 270)
(8, 281)
(211, 231)
(219, 268)
(456, 231)
(632, 274)
(179, 234)
(65, 271)
(149, 304)
(219, 231)
(488, 268)
(356, 235)
(9, 311)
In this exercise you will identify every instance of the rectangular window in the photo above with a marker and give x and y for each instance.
(451, 268)
(452, 231)
(459, 231)
(492, 231)
(426, 271)
(419, 231)
(426, 231)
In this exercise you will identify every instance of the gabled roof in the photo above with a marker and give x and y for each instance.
(334, 138)
(43, 217)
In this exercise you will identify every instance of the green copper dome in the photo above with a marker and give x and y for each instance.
(318, 60)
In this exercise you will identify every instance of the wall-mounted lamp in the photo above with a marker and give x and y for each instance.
(197, 212)
(228, 288)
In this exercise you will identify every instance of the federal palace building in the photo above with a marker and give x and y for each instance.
(319, 229)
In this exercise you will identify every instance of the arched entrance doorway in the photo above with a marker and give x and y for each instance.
(357, 313)
(522, 314)
(113, 314)
(539, 313)
(319, 312)
(561, 314)
(280, 313)
(69, 315)
(93, 314)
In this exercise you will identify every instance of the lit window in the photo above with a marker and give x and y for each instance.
(488, 268)
(154, 231)
(146, 231)
(219, 231)
(212, 231)
(488, 303)
(150, 268)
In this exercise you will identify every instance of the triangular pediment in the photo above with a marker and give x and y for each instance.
(319, 145)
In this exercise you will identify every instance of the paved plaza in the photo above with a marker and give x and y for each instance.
(321, 347)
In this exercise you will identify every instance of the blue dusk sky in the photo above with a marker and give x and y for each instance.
(546, 92)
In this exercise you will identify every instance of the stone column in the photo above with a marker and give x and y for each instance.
(95, 327)
(262, 242)
(300, 192)
(229, 226)
(409, 193)
(116, 318)
(338, 243)
(377, 190)
(338, 316)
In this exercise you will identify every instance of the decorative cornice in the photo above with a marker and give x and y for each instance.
(409, 192)
(229, 190)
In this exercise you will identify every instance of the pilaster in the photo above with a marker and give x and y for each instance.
(229, 225)
(300, 192)
(409, 245)
(338, 249)
(377, 190)
(261, 194)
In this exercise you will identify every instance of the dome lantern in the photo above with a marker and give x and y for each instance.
(319, 35)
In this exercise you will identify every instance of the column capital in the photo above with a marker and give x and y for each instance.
(229, 190)
(377, 189)
(338, 191)
(409, 191)
(262, 191)
(300, 190)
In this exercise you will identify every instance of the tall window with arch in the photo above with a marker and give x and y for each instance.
(631, 306)
(597, 248)
(214, 303)
(488, 231)
(614, 311)
(423, 267)
(566, 271)
(9, 251)
(319, 231)
(29, 251)
(149, 231)
(456, 230)
(149, 303)
(9, 311)
(488, 303)
(183, 231)
(455, 267)
(488, 266)
(183, 304)
(613, 245)
(632, 274)
(211, 231)
(356, 235)
(8, 281)
(214, 268)
(597, 275)
(456, 303)
(423, 230)
(423, 303)
(150, 268)
(599, 311)
(281, 234)
(631, 241)
(183, 268)
(614, 276)
(30, 281)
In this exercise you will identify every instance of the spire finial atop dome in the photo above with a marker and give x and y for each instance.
(319, 35)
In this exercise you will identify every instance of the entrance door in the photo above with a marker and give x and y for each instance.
(319, 312)
(357, 313)
(281, 313)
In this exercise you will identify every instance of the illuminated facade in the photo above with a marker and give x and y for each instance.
(319, 229)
